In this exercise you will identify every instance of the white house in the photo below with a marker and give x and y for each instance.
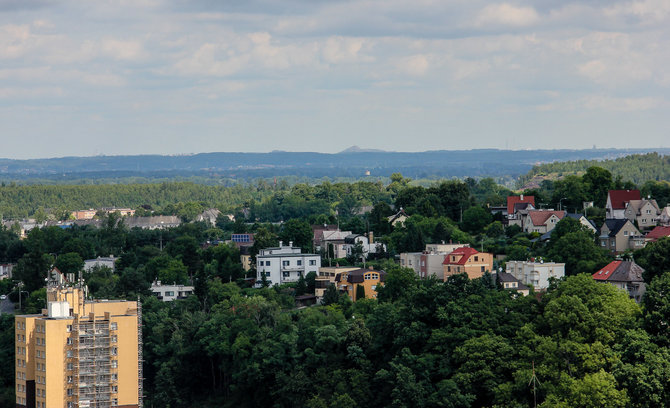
(429, 262)
(285, 264)
(367, 243)
(167, 293)
(535, 273)
(106, 261)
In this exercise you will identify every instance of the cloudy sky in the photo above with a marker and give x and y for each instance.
(186, 76)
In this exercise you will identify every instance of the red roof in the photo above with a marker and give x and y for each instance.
(658, 232)
(466, 253)
(539, 217)
(619, 198)
(511, 200)
(607, 271)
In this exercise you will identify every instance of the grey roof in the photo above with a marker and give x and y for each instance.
(506, 277)
(614, 225)
(627, 271)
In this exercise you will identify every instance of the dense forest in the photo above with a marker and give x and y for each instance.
(637, 168)
(422, 343)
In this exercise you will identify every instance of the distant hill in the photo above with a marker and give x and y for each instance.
(637, 168)
(353, 162)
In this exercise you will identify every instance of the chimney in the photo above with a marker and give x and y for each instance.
(290, 243)
(521, 197)
(281, 244)
(371, 237)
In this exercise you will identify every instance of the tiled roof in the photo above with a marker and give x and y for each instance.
(619, 198)
(466, 253)
(620, 271)
(539, 217)
(636, 205)
(658, 232)
(511, 200)
(614, 225)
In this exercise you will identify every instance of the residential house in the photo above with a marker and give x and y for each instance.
(284, 264)
(367, 244)
(645, 212)
(617, 201)
(620, 235)
(332, 243)
(625, 275)
(515, 204)
(535, 273)
(541, 221)
(657, 233)
(398, 218)
(585, 222)
(429, 262)
(664, 218)
(369, 279)
(467, 260)
(109, 262)
(209, 216)
(326, 277)
(244, 242)
(509, 282)
(6, 270)
(168, 293)
(317, 231)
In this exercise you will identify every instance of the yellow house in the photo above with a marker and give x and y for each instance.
(327, 276)
(368, 279)
(79, 353)
(467, 260)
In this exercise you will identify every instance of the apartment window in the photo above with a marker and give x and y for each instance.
(476, 258)
(299, 262)
(113, 327)
(115, 388)
(115, 402)
(114, 338)
(312, 262)
(261, 263)
(267, 263)
(70, 379)
(286, 274)
(69, 353)
(70, 366)
(115, 377)
(169, 293)
(115, 364)
(69, 328)
(625, 233)
(70, 392)
(115, 351)
(483, 269)
(285, 263)
(70, 405)
(69, 341)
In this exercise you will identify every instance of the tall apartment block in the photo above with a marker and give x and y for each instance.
(79, 353)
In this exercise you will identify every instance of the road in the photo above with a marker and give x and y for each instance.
(6, 306)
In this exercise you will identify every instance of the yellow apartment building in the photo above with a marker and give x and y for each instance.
(467, 260)
(79, 353)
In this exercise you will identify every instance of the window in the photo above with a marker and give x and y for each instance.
(299, 262)
(115, 364)
(115, 377)
(69, 328)
(448, 268)
(114, 338)
(69, 341)
(476, 258)
(285, 263)
(267, 263)
(69, 354)
(483, 270)
(115, 388)
(113, 327)
(115, 351)
(625, 233)
(312, 262)
(70, 366)
(261, 263)
(70, 392)
(169, 293)
(286, 274)
(70, 379)
(70, 405)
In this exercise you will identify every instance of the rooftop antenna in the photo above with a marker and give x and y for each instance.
(534, 381)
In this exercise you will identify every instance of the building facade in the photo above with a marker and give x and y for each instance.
(168, 293)
(79, 353)
(625, 275)
(326, 277)
(367, 279)
(535, 273)
(467, 260)
(285, 264)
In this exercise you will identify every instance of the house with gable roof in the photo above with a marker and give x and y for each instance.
(620, 235)
(509, 282)
(645, 212)
(664, 218)
(657, 233)
(517, 206)
(541, 221)
(617, 201)
(467, 260)
(625, 275)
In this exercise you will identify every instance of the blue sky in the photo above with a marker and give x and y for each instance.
(187, 76)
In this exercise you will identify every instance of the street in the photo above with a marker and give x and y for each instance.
(6, 306)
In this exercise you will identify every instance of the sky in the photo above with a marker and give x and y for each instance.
(104, 77)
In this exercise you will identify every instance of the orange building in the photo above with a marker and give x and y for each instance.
(79, 353)
(467, 260)
(349, 282)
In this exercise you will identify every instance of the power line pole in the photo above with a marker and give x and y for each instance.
(534, 381)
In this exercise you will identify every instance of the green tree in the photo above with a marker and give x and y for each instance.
(70, 262)
(475, 219)
(360, 292)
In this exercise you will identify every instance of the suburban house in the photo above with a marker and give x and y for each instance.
(429, 262)
(326, 277)
(369, 279)
(541, 221)
(317, 234)
(209, 216)
(509, 282)
(467, 260)
(657, 233)
(109, 262)
(617, 201)
(332, 242)
(515, 204)
(167, 293)
(625, 275)
(284, 264)
(584, 221)
(535, 273)
(366, 241)
(646, 212)
(620, 235)
(664, 218)
(398, 218)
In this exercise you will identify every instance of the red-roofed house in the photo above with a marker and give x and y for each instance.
(541, 221)
(626, 275)
(617, 201)
(467, 260)
(517, 205)
(657, 233)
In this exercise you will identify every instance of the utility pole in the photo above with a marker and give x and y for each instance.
(534, 381)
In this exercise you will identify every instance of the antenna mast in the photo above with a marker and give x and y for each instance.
(534, 381)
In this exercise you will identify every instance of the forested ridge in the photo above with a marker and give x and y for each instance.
(422, 343)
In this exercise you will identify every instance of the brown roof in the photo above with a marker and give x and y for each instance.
(540, 217)
(358, 275)
(511, 200)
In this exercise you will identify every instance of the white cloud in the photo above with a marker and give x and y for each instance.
(415, 65)
(508, 15)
